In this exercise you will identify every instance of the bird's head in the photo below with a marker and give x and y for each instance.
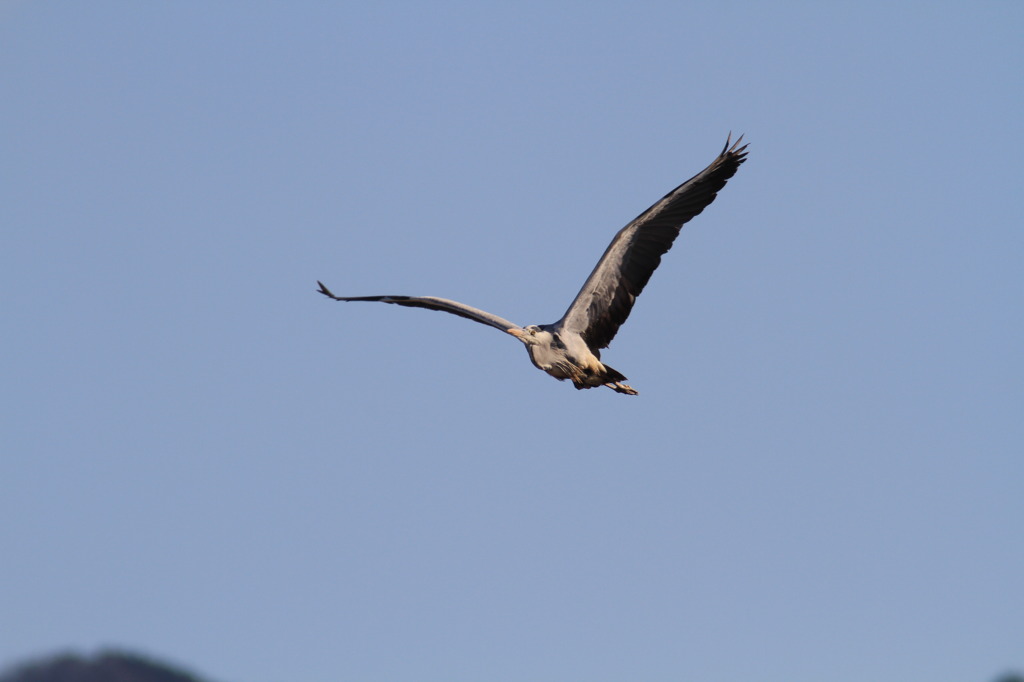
(531, 335)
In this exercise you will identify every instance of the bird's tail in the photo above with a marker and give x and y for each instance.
(611, 374)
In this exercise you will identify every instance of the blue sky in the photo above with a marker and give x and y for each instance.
(205, 461)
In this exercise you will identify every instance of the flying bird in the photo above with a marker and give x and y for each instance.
(571, 347)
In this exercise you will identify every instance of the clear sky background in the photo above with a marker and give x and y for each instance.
(204, 460)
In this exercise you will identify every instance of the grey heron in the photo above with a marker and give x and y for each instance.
(571, 347)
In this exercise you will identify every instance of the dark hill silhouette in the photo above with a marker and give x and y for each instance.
(107, 666)
(114, 666)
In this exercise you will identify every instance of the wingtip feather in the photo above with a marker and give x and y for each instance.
(736, 148)
(325, 291)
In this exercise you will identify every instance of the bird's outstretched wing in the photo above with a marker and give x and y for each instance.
(607, 297)
(432, 303)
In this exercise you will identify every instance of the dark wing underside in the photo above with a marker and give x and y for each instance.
(607, 297)
(432, 303)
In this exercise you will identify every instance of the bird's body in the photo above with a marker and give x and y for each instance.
(567, 356)
(571, 347)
